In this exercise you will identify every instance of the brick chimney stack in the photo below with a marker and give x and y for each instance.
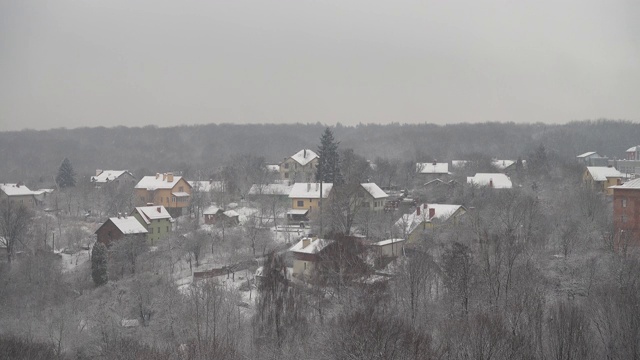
(158, 208)
(418, 210)
(491, 183)
(432, 213)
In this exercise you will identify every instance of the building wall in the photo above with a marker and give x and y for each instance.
(26, 200)
(626, 215)
(602, 186)
(308, 204)
(157, 229)
(294, 172)
(108, 233)
(303, 268)
(391, 250)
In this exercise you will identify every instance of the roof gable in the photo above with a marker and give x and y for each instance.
(374, 190)
(601, 173)
(304, 156)
(159, 181)
(310, 190)
(15, 190)
(110, 175)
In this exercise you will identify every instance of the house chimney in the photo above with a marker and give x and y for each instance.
(432, 213)
(305, 153)
(98, 172)
(164, 176)
(435, 162)
(157, 175)
(418, 210)
(308, 187)
(491, 183)
(158, 208)
(305, 242)
(317, 186)
(119, 215)
(170, 177)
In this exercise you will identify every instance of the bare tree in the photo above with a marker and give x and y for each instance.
(15, 221)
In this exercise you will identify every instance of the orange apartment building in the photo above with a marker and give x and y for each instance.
(172, 192)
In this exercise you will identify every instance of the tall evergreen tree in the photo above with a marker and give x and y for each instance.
(99, 271)
(329, 163)
(66, 175)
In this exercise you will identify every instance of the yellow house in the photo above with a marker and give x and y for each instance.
(601, 178)
(299, 167)
(428, 216)
(308, 256)
(172, 192)
(17, 194)
(307, 195)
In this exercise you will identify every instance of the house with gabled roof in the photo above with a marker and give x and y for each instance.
(156, 219)
(374, 197)
(270, 190)
(491, 180)
(117, 177)
(601, 178)
(592, 158)
(300, 166)
(17, 194)
(428, 216)
(433, 168)
(214, 215)
(633, 153)
(308, 257)
(121, 227)
(307, 195)
(172, 192)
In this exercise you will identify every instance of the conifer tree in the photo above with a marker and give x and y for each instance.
(66, 175)
(99, 271)
(329, 163)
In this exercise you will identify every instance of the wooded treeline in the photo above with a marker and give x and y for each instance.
(27, 155)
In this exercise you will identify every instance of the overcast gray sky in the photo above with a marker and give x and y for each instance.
(71, 63)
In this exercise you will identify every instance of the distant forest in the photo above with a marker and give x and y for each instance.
(34, 156)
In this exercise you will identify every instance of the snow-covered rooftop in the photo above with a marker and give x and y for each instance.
(313, 247)
(432, 168)
(633, 148)
(502, 164)
(231, 213)
(601, 173)
(632, 184)
(310, 190)
(153, 213)
(297, 211)
(15, 189)
(206, 186)
(211, 210)
(374, 190)
(387, 242)
(274, 168)
(109, 175)
(302, 159)
(586, 154)
(159, 181)
(441, 213)
(270, 189)
(128, 225)
(499, 181)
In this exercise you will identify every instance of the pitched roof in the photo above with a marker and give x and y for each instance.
(586, 154)
(387, 242)
(128, 225)
(633, 148)
(310, 190)
(601, 173)
(211, 210)
(110, 175)
(157, 182)
(270, 189)
(152, 213)
(502, 164)
(15, 189)
(231, 213)
(632, 185)
(274, 168)
(431, 168)
(500, 181)
(374, 190)
(314, 247)
(302, 159)
(442, 213)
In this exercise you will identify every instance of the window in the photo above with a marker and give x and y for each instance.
(174, 199)
(168, 200)
(158, 229)
(151, 232)
(181, 189)
(623, 219)
(286, 165)
(286, 175)
(167, 228)
(300, 203)
(624, 202)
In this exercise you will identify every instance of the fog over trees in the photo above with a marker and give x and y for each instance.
(529, 272)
